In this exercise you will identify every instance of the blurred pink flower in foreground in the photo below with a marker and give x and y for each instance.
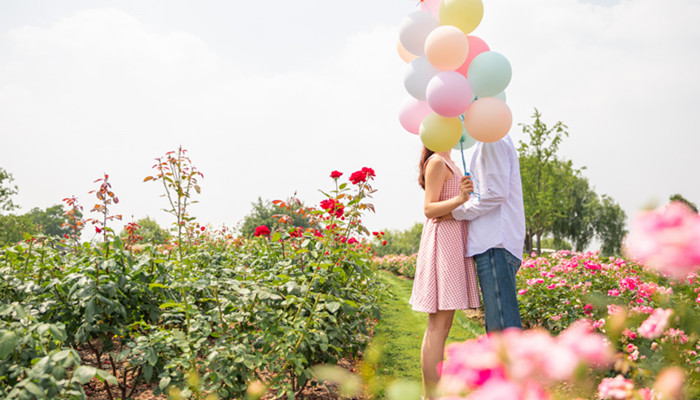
(515, 364)
(667, 239)
(618, 388)
(655, 326)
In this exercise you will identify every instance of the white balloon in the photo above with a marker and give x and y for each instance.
(414, 29)
(419, 74)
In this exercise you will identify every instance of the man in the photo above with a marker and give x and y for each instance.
(496, 229)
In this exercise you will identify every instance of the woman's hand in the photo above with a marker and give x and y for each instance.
(466, 187)
(446, 217)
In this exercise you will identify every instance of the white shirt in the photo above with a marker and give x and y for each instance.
(495, 210)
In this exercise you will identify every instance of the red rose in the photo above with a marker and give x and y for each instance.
(97, 229)
(327, 204)
(336, 174)
(262, 230)
(352, 241)
(361, 175)
(384, 243)
(357, 177)
(202, 228)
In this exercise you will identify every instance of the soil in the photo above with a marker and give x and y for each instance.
(96, 390)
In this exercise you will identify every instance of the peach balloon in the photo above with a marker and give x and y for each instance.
(476, 47)
(488, 119)
(405, 55)
(446, 48)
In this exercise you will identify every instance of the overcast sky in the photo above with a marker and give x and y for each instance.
(270, 96)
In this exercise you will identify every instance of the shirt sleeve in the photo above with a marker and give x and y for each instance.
(495, 160)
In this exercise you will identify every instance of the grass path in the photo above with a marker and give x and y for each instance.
(401, 329)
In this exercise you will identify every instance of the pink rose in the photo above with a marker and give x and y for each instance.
(654, 326)
(667, 239)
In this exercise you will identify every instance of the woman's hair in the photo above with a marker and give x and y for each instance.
(423, 158)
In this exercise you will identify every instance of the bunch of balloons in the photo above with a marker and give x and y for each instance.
(457, 84)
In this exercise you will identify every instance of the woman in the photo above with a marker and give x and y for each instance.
(445, 279)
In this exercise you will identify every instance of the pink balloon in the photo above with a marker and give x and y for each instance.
(449, 94)
(432, 6)
(488, 119)
(476, 47)
(412, 113)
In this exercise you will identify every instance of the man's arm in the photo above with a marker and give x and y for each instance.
(494, 188)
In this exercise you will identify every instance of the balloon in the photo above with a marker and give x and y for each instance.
(476, 47)
(501, 96)
(464, 14)
(419, 73)
(489, 74)
(465, 142)
(439, 133)
(488, 119)
(405, 55)
(431, 6)
(446, 48)
(412, 114)
(414, 29)
(449, 93)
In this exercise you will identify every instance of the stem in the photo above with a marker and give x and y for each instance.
(221, 314)
(98, 357)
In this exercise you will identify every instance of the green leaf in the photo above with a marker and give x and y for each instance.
(164, 383)
(275, 237)
(34, 389)
(157, 285)
(58, 332)
(84, 373)
(8, 342)
(152, 356)
(333, 306)
(106, 376)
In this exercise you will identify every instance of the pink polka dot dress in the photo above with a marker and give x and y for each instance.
(445, 279)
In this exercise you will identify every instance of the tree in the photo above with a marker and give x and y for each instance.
(12, 229)
(610, 226)
(400, 242)
(580, 204)
(678, 197)
(149, 230)
(262, 214)
(538, 170)
(49, 222)
(7, 191)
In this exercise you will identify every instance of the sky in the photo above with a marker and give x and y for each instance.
(270, 97)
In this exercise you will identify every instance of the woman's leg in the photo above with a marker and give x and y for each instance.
(433, 349)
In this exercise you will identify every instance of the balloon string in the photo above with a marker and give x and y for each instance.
(461, 150)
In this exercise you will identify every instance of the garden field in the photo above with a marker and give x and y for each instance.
(309, 311)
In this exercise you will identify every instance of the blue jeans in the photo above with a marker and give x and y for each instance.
(496, 269)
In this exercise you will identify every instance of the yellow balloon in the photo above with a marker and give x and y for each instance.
(464, 14)
(439, 133)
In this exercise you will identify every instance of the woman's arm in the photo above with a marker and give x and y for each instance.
(436, 173)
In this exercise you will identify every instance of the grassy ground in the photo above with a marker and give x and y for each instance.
(401, 329)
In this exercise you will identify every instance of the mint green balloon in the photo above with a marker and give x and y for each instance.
(489, 74)
(465, 141)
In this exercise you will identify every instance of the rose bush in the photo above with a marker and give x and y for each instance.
(206, 313)
(398, 264)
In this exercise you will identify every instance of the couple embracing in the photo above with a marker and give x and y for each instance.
(475, 227)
